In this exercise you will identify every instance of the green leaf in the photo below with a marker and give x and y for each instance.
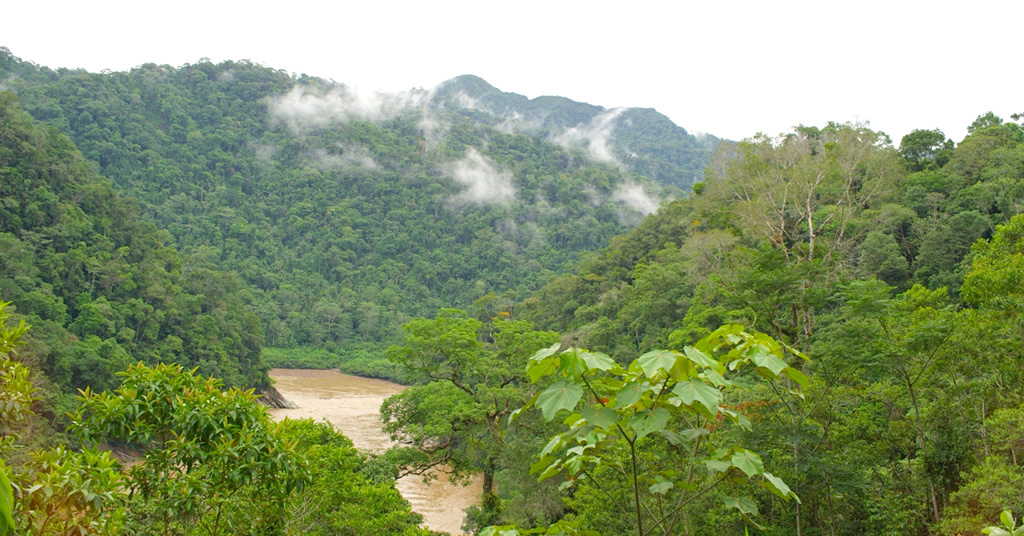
(691, 434)
(656, 360)
(602, 417)
(529, 404)
(545, 352)
(647, 421)
(552, 470)
(1006, 517)
(6, 502)
(672, 437)
(745, 505)
(718, 466)
(748, 462)
(661, 486)
(571, 364)
(695, 390)
(561, 395)
(539, 369)
(777, 486)
(715, 378)
(630, 394)
(738, 418)
(542, 463)
(799, 377)
(703, 359)
(598, 361)
(539, 364)
(763, 359)
(995, 531)
(555, 443)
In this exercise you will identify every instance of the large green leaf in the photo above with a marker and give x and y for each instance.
(6, 502)
(571, 364)
(703, 359)
(561, 395)
(778, 487)
(694, 390)
(602, 417)
(630, 394)
(598, 361)
(748, 462)
(649, 421)
(538, 369)
(661, 486)
(764, 359)
(1006, 516)
(799, 377)
(539, 364)
(745, 505)
(545, 352)
(655, 360)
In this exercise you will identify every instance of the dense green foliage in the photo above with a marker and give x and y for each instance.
(659, 407)
(54, 491)
(345, 216)
(471, 377)
(210, 463)
(348, 495)
(102, 287)
(217, 208)
(836, 243)
(644, 140)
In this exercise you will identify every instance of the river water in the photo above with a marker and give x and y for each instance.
(352, 405)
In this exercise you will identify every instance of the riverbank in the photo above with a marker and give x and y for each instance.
(352, 405)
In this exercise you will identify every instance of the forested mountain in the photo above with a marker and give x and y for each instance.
(824, 338)
(639, 139)
(346, 214)
(896, 270)
(794, 218)
(102, 288)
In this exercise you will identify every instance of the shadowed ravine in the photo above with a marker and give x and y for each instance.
(352, 404)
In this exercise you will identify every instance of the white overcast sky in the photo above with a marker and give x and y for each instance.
(729, 68)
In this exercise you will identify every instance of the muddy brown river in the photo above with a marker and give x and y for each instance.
(352, 405)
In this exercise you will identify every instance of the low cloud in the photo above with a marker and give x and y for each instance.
(264, 152)
(307, 108)
(485, 184)
(633, 197)
(595, 136)
(465, 101)
(349, 155)
(514, 122)
(433, 129)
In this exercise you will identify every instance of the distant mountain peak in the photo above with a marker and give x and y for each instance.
(638, 139)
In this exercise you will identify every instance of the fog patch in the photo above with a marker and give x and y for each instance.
(350, 155)
(465, 101)
(515, 122)
(594, 137)
(593, 195)
(308, 108)
(226, 77)
(485, 184)
(635, 201)
(433, 130)
(264, 152)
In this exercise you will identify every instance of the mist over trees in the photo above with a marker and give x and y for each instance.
(821, 335)
(345, 214)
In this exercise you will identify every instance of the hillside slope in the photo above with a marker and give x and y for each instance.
(345, 213)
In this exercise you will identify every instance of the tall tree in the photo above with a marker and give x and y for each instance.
(473, 377)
